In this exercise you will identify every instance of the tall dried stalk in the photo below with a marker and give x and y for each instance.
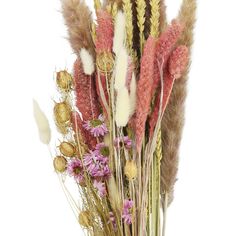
(173, 119)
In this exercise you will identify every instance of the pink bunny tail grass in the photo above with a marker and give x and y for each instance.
(144, 89)
(77, 125)
(177, 65)
(179, 61)
(85, 92)
(104, 87)
(104, 32)
(165, 45)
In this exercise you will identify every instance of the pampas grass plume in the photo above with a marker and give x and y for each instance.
(122, 107)
(119, 34)
(42, 123)
(133, 88)
(122, 62)
(87, 61)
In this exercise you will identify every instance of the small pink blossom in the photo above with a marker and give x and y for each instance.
(97, 127)
(127, 211)
(75, 169)
(112, 220)
(126, 141)
(101, 188)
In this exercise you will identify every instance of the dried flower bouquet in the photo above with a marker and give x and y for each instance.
(121, 112)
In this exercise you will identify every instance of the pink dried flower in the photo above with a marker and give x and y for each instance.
(78, 128)
(102, 150)
(97, 127)
(127, 211)
(101, 188)
(112, 220)
(178, 61)
(75, 169)
(104, 32)
(144, 89)
(126, 141)
(85, 92)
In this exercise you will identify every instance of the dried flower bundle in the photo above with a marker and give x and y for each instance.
(120, 114)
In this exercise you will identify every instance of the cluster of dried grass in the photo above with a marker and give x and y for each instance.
(132, 68)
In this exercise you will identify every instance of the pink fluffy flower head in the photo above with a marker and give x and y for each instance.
(97, 127)
(75, 169)
(101, 188)
(127, 211)
(126, 141)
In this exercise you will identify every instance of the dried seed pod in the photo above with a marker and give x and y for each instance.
(105, 62)
(62, 112)
(131, 170)
(67, 149)
(85, 219)
(60, 163)
(64, 80)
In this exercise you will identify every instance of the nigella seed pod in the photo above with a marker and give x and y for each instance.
(131, 170)
(105, 62)
(85, 219)
(64, 80)
(67, 149)
(62, 112)
(60, 164)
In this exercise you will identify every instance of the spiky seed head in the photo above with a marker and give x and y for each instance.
(131, 170)
(60, 164)
(85, 219)
(64, 80)
(67, 149)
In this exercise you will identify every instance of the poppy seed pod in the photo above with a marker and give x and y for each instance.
(67, 149)
(62, 112)
(64, 80)
(85, 219)
(131, 170)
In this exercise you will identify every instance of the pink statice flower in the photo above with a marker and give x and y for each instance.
(101, 188)
(75, 169)
(96, 165)
(96, 127)
(127, 211)
(112, 220)
(126, 141)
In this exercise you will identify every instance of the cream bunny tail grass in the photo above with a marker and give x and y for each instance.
(173, 119)
(42, 123)
(78, 20)
(87, 61)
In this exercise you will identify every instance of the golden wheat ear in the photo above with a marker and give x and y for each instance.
(173, 119)
(78, 19)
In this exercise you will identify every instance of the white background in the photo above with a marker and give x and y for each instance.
(33, 46)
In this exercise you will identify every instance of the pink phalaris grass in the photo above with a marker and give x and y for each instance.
(77, 125)
(165, 45)
(104, 32)
(144, 89)
(177, 65)
(85, 92)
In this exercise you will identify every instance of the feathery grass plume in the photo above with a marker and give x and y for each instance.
(127, 7)
(177, 66)
(86, 97)
(165, 45)
(78, 20)
(119, 32)
(144, 89)
(42, 124)
(155, 17)
(163, 17)
(173, 119)
(141, 7)
(121, 68)
(122, 107)
(87, 61)
(133, 88)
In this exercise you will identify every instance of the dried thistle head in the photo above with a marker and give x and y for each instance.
(105, 62)
(60, 164)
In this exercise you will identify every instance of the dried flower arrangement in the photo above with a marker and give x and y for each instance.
(121, 113)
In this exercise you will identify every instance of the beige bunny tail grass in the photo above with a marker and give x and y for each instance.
(173, 119)
(78, 20)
